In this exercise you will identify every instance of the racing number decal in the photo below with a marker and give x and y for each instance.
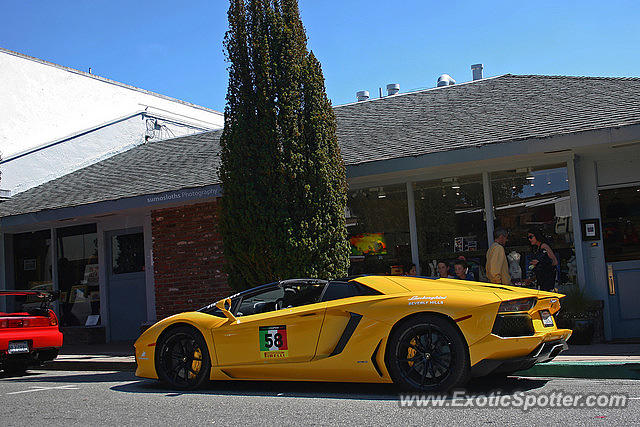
(273, 342)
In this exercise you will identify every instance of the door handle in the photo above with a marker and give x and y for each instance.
(612, 282)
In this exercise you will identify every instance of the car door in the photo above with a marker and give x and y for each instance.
(267, 332)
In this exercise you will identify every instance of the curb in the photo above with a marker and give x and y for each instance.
(588, 370)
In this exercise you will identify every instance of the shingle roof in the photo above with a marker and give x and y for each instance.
(489, 111)
(190, 161)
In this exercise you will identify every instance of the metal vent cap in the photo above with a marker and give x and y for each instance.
(392, 89)
(445, 80)
(362, 95)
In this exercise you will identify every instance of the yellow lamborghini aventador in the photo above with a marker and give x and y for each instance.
(421, 333)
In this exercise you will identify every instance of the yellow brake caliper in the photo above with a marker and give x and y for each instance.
(411, 352)
(196, 364)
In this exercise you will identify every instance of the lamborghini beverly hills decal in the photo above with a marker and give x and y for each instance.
(423, 300)
(273, 342)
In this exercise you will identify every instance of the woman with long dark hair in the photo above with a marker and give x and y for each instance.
(544, 261)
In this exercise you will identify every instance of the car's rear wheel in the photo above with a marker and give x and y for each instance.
(427, 353)
(182, 358)
(15, 367)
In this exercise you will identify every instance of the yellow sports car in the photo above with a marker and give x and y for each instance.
(421, 333)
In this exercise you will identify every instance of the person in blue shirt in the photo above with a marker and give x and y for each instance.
(462, 270)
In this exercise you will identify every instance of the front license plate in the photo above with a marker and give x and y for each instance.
(547, 318)
(18, 347)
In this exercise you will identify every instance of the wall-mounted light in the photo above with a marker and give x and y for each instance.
(381, 194)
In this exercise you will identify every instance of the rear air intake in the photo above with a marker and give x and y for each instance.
(513, 325)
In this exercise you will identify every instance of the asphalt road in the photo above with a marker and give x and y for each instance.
(118, 398)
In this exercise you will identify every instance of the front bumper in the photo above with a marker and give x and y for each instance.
(545, 352)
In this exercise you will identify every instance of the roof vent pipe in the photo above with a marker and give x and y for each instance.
(362, 95)
(445, 80)
(477, 71)
(392, 89)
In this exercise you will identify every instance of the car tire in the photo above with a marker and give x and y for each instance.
(182, 358)
(427, 353)
(15, 368)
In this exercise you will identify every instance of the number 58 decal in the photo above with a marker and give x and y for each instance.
(273, 342)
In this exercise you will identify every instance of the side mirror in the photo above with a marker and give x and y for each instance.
(224, 305)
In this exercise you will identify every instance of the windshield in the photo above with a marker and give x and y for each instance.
(272, 297)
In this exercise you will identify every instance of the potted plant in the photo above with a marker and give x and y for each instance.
(579, 313)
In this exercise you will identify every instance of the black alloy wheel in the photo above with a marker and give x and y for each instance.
(427, 353)
(182, 359)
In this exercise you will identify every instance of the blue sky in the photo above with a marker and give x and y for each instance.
(362, 44)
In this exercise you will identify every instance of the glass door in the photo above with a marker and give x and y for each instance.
(126, 283)
(620, 213)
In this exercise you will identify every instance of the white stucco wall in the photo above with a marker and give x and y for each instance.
(43, 103)
(21, 173)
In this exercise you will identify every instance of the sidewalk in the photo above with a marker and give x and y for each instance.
(605, 361)
(95, 357)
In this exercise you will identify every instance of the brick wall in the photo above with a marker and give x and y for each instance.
(187, 258)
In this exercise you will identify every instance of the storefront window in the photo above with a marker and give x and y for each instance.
(32, 260)
(78, 274)
(620, 210)
(535, 199)
(450, 224)
(378, 230)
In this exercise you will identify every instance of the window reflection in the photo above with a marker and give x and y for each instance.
(535, 199)
(127, 253)
(620, 209)
(450, 224)
(32, 260)
(378, 230)
(78, 274)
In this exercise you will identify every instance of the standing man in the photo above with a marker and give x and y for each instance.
(497, 265)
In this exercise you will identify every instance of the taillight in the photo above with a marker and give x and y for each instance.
(15, 323)
(522, 304)
(53, 320)
(32, 322)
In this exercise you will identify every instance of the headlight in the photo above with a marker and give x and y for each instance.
(522, 304)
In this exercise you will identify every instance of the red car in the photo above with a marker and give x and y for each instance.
(29, 331)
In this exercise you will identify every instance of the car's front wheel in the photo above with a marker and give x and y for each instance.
(427, 353)
(182, 358)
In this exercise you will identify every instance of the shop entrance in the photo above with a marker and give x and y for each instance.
(126, 283)
(620, 213)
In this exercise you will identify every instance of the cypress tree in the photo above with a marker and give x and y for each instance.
(282, 212)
